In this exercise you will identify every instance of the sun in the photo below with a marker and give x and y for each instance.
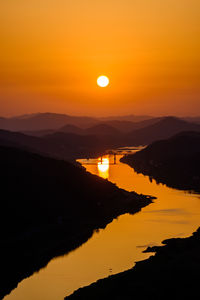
(103, 81)
(103, 165)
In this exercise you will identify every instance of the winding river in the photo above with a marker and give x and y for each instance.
(173, 214)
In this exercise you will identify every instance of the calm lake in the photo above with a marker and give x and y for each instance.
(173, 214)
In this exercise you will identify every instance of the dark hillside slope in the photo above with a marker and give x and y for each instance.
(49, 207)
(38, 133)
(58, 145)
(175, 161)
(78, 146)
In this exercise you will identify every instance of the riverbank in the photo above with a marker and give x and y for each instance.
(114, 249)
(51, 207)
(172, 273)
(174, 162)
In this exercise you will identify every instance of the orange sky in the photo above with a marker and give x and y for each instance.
(52, 52)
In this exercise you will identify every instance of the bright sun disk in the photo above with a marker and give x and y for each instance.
(102, 81)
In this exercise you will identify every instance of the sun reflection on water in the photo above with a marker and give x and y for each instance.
(103, 167)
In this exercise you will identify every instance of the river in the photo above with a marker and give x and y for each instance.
(173, 214)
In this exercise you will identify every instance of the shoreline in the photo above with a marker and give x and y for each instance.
(36, 249)
(167, 177)
(170, 273)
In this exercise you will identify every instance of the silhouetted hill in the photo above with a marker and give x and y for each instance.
(59, 145)
(2, 123)
(123, 126)
(20, 140)
(33, 123)
(39, 133)
(64, 143)
(49, 183)
(94, 140)
(2, 119)
(76, 146)
(184, 144)
(131, 118)
(113, 127)
(175, 161)
(102, 129)
(164, 128)
(84, 145)
(49, 207)
(171, 274)
(72, 129)
(108, 127)
(66, 129)
(128, 126)
(192, 119)
(43, 121)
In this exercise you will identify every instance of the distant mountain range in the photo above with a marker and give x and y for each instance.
(127, 129)
(52, 121)
(44, 121)
(70, 142)
(101, 128)
(129, 118)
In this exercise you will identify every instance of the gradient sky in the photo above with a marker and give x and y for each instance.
(52, 52)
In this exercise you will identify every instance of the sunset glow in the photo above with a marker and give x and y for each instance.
(99, 149)
(51, 55)
(103, 167)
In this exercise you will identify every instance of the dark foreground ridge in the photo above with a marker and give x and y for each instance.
(173, 273)
(48, 208)
(174, 162)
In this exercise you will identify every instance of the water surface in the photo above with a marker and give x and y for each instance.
(173, 214)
